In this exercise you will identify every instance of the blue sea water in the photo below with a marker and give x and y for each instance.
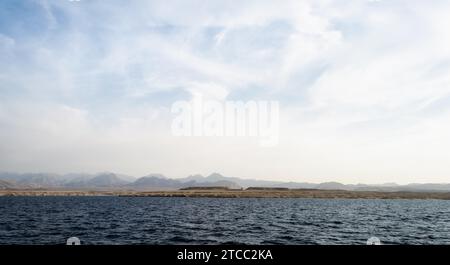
(152, 220)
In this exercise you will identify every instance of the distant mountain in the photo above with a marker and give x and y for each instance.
(102, 181)
(39, 180)
(325, 185)
(30, 180)
(217, 177)
(109, 180)
(154, 182)
(5, 185)
(245, 183)
(69, 181)
(331, 186)
(295, 185)
(160, 182)
(126, 178)
(214, 177)
(218, 183)
(9, 176)
(196, 177)
(75, 177)
(106, 180)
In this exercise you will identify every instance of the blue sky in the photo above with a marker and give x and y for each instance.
(363, 86)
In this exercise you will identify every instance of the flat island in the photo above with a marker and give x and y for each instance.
(252, 192)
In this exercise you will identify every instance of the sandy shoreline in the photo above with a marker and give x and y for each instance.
(204, 193)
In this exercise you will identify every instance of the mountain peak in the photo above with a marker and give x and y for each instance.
(155, 175)
(332, 185)
(216, 176)
(106, 180)
(196, 177)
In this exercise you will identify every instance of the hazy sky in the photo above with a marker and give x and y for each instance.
(363, 87)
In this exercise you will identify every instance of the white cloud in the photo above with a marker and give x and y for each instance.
(363, 87)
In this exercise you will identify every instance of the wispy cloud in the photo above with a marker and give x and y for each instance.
(363, 86)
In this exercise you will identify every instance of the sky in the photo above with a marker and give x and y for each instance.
(363, 87)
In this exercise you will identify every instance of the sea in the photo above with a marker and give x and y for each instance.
(110, 220)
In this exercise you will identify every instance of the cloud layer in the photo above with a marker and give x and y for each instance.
(363, 86)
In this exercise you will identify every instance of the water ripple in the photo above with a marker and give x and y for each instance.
(146, 220)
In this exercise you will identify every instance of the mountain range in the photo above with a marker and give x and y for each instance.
(113, 181)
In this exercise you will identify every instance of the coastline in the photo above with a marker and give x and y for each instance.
(230, 193)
